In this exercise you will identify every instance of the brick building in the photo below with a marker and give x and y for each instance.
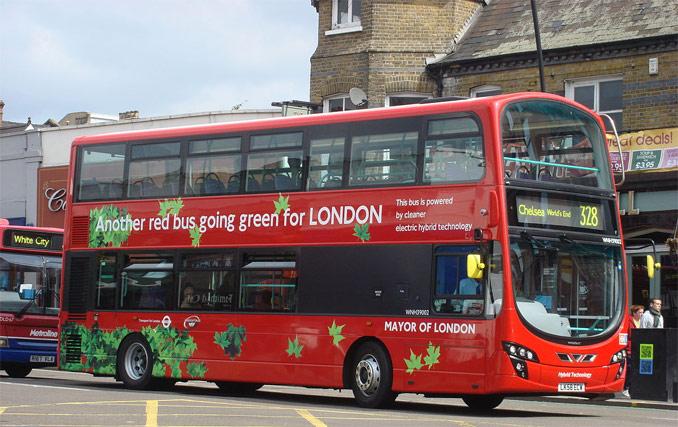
(619, 57)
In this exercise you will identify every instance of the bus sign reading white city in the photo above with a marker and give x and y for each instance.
(559, 212)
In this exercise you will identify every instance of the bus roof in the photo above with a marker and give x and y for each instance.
(4, 225)
(316, 119)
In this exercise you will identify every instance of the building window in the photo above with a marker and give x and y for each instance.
(404, 99)
(603, 95)
(338, 103)
(345, 16)
(345, 13)
(485, 90)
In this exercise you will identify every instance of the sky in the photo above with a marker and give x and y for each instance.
(160, 57)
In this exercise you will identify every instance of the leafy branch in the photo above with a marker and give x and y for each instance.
(172, 206)
(195, 236)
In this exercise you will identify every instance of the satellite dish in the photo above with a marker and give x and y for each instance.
(358, 96)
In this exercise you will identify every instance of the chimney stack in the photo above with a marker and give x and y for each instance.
(128, 115)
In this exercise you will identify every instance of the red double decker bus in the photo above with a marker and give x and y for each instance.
(30, 273)
(468, 248)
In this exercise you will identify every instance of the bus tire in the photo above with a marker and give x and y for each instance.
(371, 376)
(235, 388)
(483, 402)
(17, 371)
(135, 363)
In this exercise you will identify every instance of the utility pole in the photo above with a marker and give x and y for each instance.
(537, 37)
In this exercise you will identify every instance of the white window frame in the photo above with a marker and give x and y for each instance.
(326, 102)
(478, 90)
(387, 100)
(570, 85)
(341, 28)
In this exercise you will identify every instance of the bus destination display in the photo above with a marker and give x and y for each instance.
(24, 239)
(559, 212)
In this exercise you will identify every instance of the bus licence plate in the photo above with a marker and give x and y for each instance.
(572, 387)
(42, 359)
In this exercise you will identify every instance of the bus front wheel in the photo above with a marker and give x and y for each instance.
(135, 363)
(17, 371)
(483, 402)
(371, 376)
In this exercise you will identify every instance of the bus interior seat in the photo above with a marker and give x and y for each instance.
(268, 182)
(523, 172)
(90, 190)
(213, 185)
(283, 182)
(333, 182)
(233, 184)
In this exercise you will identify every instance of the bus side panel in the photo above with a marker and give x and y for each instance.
(427, 355)
(31, 340)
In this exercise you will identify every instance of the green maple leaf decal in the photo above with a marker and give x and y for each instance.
(195, 236)
(362, 232)
(294, 348)
(335, 333)
(433, 355)
(172, 206)
(281, 204)
(414, 362)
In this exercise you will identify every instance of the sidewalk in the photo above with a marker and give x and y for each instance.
(618, 400)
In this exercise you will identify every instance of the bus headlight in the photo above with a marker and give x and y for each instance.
(519, 355)
(619, 357)
(520, 351)
(4, 342)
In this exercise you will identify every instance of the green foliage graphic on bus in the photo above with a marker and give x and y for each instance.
(108, 226)
(294, 348)
(196, 370)
(195, 236)
(170, 347)
(335, 333)
(99, 348)
(282, 204)
(170, 206)
(231, 340)
(431, 358)
(362, 232)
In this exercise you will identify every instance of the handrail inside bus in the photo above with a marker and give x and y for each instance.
(621, 157)
(537, 162)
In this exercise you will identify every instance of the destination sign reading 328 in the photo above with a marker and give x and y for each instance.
(560, 212)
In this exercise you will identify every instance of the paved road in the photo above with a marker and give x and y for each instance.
(53, 398)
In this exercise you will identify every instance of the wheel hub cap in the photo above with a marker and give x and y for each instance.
(368, 375)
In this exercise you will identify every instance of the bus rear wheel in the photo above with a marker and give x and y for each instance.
(371, 376)
(483, 402)
(235, 388)
(135, 363)
(17, 371)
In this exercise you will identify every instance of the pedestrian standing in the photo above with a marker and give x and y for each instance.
(636, 312)
(652, 318)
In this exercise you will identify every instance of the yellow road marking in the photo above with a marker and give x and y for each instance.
(2, 410)
(310, 418)
(151, 413)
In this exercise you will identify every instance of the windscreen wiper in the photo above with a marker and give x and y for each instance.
(528, 237)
